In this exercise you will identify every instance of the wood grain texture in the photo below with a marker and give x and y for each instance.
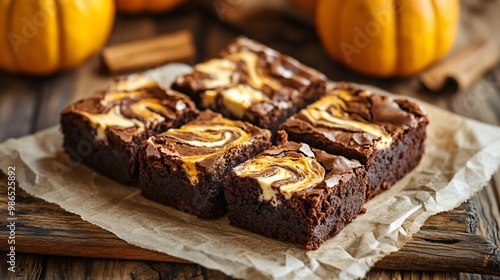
(445, 251)
(27, 267)
(46, 228)
(447, 241)
(488, 210)
(34, 267)
(462, 219)
(55, 267)
(473, 276)
(18, 99)
(399, 275)
(55, 95)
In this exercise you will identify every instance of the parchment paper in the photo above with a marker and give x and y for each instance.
(461, 156)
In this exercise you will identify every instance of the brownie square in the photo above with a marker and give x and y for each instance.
(386, 135)
(106, 130)
(295, 193)
(186, 168)
(251, 82)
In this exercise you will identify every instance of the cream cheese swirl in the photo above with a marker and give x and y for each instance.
(330, 111)
(204, 141)
(284, 175)
(144, 108)
(224, 81)
(223, 71)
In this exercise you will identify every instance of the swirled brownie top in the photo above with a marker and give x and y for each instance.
(296, 168)
(356, 118)
(203, 141)
(248, 76)
(133, 105)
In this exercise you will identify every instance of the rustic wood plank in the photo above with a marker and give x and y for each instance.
(488, 210)
(31, 266)
(88, 80)
(494, 80)
(477, 102)
(377, 274)
(444, 251)
(56, 267)
(462, 219)
(482, 102)
(28, 267)
(45, 228)
(86, 268)
(18, 104)
(472, 276)
(56, 92)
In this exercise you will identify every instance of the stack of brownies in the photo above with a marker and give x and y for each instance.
(332, 150)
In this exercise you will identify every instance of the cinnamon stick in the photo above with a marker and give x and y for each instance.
(458, 72)
(151, 52)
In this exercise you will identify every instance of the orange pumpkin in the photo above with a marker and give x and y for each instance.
(44, 36)
(146, 6)
(381, 38)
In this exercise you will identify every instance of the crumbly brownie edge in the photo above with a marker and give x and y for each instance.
(306, 221)
(386, 167)
(186, 89)
(320, 141)
(311, 94)
(116, 160)
(277, 116)
(160, 183)
(180, 121)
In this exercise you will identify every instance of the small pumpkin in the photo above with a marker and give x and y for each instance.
(146, 6)
(387, 38)
(44, 36)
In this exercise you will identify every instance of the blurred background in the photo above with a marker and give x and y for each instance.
(51, 52)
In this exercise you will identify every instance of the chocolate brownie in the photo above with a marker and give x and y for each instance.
(295, 193)
(251, 82)
(185, 168)
(106, 130)
(385, 134)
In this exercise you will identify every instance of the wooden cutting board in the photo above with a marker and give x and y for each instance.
(447, 242)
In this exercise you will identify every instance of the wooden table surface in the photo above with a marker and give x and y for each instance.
(29, 104)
